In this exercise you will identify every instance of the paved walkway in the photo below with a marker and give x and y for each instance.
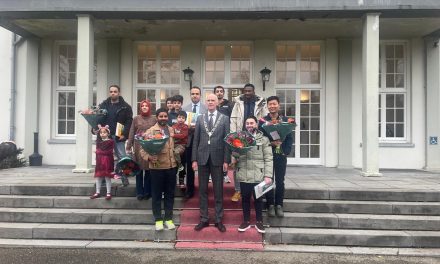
(298, 177)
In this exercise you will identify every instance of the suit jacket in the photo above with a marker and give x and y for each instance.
(188, 108)
(217, 149)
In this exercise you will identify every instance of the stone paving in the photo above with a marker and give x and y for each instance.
(297, 177)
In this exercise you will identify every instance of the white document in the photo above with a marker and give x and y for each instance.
(275, 135)
(263, 188)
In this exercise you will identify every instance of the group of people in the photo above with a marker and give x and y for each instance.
(196, 146)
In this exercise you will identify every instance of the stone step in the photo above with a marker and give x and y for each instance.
(290, 193)
(350, 237)
(34, 201)
(70, 190)
(355, 221)
(79, 216)
(401, 195)
(84, 232)
(361, 207)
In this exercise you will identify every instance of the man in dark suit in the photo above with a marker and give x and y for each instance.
(210, 155)
(196, 106)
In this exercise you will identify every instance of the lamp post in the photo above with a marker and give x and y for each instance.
(187, 76)
(265, 76)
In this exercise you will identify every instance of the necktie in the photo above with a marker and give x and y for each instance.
(210, 122)
(194, 108)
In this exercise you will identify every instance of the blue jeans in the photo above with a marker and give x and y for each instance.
(143, 184)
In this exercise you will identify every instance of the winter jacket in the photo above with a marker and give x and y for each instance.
(124, 115)
(257, 163)
(225, 107)
(165, 159)
(237, 115)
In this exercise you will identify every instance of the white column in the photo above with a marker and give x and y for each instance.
(84, 84)
(370, 95)
(331, 103)
(127, 71)
(432, 103)
(102, 69)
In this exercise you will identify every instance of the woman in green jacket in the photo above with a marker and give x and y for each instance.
(252, 168)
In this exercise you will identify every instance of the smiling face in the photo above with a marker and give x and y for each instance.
(248, 92)
(251, 125)
(170, 105)
(273, 106)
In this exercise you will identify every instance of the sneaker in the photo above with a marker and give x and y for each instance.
(226, 179)
(271, 210)
(244, 226)
(170, 225)
(236, 197)
(279, 210)
(159, 225)
(124, 180)
(260, 227)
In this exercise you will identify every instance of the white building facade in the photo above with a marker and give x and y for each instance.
(361, 78)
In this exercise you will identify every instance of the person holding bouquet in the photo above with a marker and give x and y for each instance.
(104, 162)
(140, 124)
(162, 170)
(274, 199)
(253, 167)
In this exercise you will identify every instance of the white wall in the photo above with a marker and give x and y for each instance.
(5, 82)
(410, 155)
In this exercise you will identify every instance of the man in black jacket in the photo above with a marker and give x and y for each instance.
(119, 115)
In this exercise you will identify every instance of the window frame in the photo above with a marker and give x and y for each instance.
(406, 91)
(227, 61)
(158, 87)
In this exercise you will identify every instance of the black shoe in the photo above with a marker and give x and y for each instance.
(201, 225)
(260, 227)
(221, 227)
(139, 197)
(147, 197)
(244, 226)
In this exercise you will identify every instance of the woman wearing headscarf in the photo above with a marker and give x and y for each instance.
(140, 124)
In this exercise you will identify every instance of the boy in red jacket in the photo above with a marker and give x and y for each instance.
(180, 140)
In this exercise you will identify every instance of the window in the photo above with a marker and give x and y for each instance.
(65, 89)
(392, 91)
(228, 65)
(298, 85)
(157, 72)
(298, 64)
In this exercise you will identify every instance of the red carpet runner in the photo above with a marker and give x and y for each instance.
(210, 237)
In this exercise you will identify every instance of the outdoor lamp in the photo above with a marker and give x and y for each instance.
(265, 76)
(188, 75)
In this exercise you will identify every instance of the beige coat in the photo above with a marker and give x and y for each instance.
(237, 114)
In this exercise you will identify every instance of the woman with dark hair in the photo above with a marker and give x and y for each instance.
(140, 124)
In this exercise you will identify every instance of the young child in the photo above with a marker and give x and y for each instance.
(104, 162)
(180, 140)
(252, 168)
(177, 106)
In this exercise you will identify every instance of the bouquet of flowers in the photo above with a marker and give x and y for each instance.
(152, 143)
(240, 142)
(278, 130)
(127, 167)
(94, 115)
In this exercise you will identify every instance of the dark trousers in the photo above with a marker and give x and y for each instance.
(247, 190)
(143, 183)
(189, 170)
(216, 173)
(163, 181)
(276, 197)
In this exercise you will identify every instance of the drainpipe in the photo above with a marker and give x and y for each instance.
(15, 41)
